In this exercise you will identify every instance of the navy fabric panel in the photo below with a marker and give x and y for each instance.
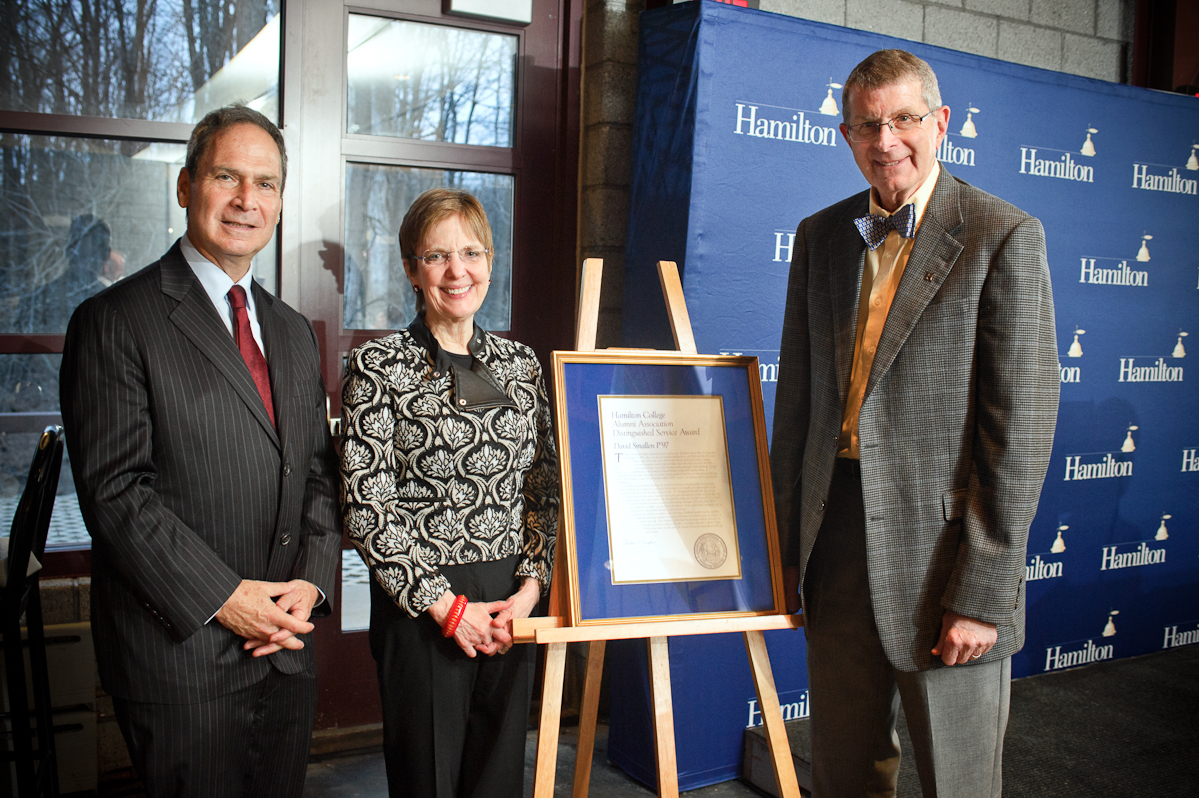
(664, 159)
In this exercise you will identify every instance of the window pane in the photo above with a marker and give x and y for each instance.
(355, 592)
(172, 60)
(377, 294)
(430, 82)
(29, 385)
(77, 214)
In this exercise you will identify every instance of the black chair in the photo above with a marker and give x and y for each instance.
(21, 596)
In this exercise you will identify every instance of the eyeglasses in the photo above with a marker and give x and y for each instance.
(468, 255)
(869, 131)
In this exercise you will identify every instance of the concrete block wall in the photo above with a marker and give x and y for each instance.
(1092, 38)
(68, 601)
(610, 29)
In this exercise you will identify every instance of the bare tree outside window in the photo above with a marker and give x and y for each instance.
(76, 213)
(135, 59)
(377, 294)
(430, 82)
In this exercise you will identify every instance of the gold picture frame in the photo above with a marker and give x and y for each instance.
(585, 542)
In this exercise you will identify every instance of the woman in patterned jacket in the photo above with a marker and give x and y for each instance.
(450, 492)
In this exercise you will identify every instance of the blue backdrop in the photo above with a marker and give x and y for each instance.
(736, 141)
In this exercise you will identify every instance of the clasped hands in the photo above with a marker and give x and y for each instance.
(486, 626)
(270, 615)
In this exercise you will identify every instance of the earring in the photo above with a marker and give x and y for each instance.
(415, 288)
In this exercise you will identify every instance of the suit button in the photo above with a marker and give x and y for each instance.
(283, 541)
(286, 470)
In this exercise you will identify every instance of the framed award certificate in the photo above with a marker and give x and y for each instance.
(667, 505)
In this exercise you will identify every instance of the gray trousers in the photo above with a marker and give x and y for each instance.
(956, 716)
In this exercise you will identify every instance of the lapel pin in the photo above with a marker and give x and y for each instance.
(928, 277)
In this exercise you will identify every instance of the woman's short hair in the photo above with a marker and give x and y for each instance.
(886, 68)
(432, 208)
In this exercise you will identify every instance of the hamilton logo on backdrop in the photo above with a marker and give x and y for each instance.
(1176, 637)
(1113, 558)
(1088, 652)
(784, 240)
(1142, 555)
(768, 362)
(1190, 459)
(1150, 369)
(1040, 569)
(1047, 569)
(1116, 271)
(792, 710)
(1072, 373)
(764, 121)
(1107, 466)
(1046, 162)
(1162, 177)
(951, 153)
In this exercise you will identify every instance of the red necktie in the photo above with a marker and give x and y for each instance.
(249, 348)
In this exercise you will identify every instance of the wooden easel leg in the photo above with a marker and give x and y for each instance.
(587, 716)
(772, 716)
(551, 716)
(659, 669)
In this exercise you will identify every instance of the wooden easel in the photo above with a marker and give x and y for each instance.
(554, 634)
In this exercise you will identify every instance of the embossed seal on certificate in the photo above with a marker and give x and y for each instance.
(710, 551)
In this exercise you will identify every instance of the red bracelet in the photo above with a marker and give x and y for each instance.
(454, 617)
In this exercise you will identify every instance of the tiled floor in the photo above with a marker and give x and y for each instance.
(363, 776)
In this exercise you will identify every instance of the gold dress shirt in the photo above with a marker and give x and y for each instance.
(880, 277)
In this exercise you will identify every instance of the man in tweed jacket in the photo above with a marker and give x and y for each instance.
(914, 418)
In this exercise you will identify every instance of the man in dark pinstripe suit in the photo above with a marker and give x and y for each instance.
(195, 415)
(914, 419)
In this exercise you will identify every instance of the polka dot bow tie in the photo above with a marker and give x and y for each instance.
(874, 227)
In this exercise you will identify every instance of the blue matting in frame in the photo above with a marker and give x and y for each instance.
(581, 383)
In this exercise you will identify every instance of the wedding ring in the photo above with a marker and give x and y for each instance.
(975, 656)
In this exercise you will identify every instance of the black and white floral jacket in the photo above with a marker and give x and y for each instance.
(442, 465)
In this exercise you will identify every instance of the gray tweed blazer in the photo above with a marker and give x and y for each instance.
(958, 416)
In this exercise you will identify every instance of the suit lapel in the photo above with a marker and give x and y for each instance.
(934, 252)
(278, 355)
(847, 258)
(197, 319)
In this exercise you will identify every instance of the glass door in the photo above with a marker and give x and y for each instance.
(394, 98)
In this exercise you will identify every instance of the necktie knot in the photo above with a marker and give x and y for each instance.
(874, 228)
(237, 297)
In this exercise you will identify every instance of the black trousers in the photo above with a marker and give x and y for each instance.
(452, 726)
(252, 743)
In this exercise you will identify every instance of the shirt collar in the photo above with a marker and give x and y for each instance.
(214, 279)
(920, 198)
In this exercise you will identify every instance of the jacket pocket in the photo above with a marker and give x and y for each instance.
(953, 504)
